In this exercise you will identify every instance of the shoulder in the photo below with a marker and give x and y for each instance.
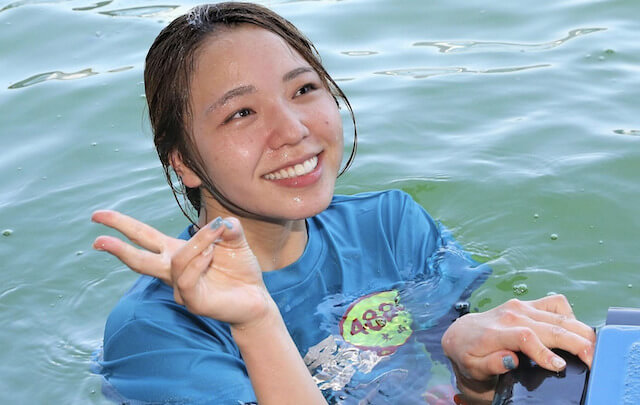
(149, 339)
(387, 221)
(389, 209)
(372, 198)
(149, 314)
(380, 204)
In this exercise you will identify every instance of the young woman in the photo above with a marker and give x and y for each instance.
(280, 292)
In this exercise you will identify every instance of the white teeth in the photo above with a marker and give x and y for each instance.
(299, 169)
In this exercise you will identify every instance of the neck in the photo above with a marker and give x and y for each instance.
(275, 243)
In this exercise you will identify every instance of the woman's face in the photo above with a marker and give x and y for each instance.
(267, 128)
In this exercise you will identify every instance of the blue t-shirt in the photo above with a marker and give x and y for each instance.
(366, 305)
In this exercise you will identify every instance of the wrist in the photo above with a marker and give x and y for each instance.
(476, 391)
(267, 320)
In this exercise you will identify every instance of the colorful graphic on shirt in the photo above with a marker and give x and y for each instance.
(377, 322)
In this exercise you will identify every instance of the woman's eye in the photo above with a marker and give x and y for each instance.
(245, 112)
(305, 89)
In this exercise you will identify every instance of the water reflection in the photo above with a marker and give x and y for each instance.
(634, 132)
(141, 11)
(58, 75)
(359, 53)
(93, 6)
(29, 2)
(455, 46)
(147, 11)
(423, 73)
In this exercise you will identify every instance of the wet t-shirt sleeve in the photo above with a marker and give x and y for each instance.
(155, 351)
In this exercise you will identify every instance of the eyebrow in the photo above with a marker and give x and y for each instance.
(296, 72)
(238, 91)
(242, 90)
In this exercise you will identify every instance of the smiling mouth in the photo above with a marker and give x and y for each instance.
(296, 170)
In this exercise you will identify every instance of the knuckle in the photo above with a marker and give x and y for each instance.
(560, 300)
(525, 335)
(510, 317)
(558, 334)
(564, 321)
(513, 304)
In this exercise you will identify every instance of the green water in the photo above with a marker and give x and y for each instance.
(509, 121)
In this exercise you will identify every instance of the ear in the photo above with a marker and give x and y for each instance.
(188, 177)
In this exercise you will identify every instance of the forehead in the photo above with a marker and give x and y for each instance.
(236, 51)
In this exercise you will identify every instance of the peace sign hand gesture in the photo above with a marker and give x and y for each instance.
(214, 274)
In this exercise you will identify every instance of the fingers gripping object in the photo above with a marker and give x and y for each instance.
(611, 379)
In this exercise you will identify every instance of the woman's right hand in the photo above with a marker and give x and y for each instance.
(214, 274)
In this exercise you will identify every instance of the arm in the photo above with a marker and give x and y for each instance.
(481, 346)
(276, 369)
(216, 275)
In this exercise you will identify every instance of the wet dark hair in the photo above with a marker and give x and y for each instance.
(169, 67)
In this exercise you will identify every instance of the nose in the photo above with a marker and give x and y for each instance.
(287, 126)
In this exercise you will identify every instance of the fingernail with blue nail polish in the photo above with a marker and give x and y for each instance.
(558, 363)
(228, 224)
(216, 223)
(508, 362)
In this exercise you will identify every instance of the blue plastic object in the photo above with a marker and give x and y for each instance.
(615, 374)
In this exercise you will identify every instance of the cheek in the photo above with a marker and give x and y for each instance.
(244, 153)
(228, 151)
(231, 159)
(333, 124)
(336, 124)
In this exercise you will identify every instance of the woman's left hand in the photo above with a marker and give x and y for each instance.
(483, 345)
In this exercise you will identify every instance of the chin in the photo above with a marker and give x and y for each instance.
(310, 211)
(296, 208)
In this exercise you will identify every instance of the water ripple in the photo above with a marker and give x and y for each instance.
(29, 2)
(93, 6)
(146, 11)
(59, 75)
(633, 132)
(359, 53)
(423, 73)
(56, 75)
(456, 46)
